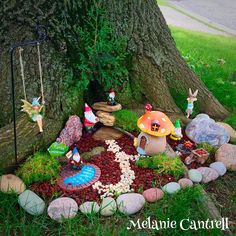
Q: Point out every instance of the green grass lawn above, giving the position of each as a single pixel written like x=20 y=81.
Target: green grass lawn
x=206 y=54
x=182 y=205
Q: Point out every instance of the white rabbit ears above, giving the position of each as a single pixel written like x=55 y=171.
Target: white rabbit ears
x=191 y=94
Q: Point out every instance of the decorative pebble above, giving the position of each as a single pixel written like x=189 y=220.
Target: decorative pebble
x=219 y=167
x=11 y=183
x=130 y=203
x=171 y=187
x=63 y=207
x=108 y=206
x=153 y=194
x=89 y=207
x=184 y=182
x=31 y=202
x=227 y=154
x=208 y=174
x=195 y=175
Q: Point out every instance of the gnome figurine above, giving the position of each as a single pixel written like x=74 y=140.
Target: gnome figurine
x=177 y=132
x=89 y=118
x=75 y=160
x=111 y=98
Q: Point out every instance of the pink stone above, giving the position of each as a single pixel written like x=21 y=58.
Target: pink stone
x=153 y=194
x=208 y=174
x=184 y=182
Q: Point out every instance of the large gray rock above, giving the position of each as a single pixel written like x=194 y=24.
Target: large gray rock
x=11 y=183
x=108 y=206
x=227 y=154
x=204 y=129
x=130 y=203
x=63 y=207
x=31 y=202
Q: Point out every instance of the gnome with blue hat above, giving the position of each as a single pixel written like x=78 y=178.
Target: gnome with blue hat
x=76 y=160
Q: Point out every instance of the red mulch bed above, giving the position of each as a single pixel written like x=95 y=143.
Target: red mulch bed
x=110 y=170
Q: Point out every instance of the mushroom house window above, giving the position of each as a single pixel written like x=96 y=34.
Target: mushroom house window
x=155 y=125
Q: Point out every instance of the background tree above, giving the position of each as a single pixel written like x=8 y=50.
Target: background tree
x=157 y=72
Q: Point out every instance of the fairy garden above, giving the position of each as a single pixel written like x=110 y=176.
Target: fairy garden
x=111 y=136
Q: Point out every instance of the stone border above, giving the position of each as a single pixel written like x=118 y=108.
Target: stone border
x=69 y=172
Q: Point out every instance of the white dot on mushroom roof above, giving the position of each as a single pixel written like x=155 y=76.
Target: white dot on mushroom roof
x=142 y=125
x=163 y=119
x=149 y=118
x=163 y=130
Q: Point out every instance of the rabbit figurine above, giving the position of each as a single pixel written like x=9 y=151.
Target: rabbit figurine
x=192 y=97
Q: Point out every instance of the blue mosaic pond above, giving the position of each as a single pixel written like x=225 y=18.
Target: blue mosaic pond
x=86 y=175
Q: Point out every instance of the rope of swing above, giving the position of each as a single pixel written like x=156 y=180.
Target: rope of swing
x=40 y=72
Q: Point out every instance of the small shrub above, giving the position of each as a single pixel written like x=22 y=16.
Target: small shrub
x=39 y=168
x=208 y=147
x=163 y=165
x=126 y=120
x=231 y=120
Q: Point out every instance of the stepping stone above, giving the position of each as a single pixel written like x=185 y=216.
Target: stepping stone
x=89 y=208
x=63 y=207
x=11 y=183
x=107 y=133
x=31 y=203
x=130 y=203
x=103 y=106
x=106 y=118
x=108 y=206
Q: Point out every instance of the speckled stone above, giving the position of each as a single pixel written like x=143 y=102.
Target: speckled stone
x=108 y=206
x=89 y=207
x=219 y=167
x=171 y=187
x=11 y=183
x=63 y=207
x=184 y=182
x=31 y=203
x=195 y=175
x=208 y=174
x=153 y=194
x=130 y=203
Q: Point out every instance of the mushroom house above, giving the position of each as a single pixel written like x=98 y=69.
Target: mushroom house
x=154 y=126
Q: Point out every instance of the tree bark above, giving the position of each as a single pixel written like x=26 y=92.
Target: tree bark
x=157 y=76
x=158 y=67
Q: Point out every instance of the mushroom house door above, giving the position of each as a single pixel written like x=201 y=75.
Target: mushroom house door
x=143 y=142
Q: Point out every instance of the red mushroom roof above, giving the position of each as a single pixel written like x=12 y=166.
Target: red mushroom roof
x=145 y=123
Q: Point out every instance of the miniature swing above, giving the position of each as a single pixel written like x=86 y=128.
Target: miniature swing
x=35 y=110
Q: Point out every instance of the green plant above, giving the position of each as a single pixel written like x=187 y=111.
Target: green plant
x=208 y=147
x=163 y=164
x=231 y=120
x=38 y=168
x=126 y=120
x=103 y=55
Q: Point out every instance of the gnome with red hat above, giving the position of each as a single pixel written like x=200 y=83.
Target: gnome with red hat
x=111 y=98
x=89 y=118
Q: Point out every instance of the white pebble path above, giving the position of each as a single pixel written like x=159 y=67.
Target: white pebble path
x=127 y=177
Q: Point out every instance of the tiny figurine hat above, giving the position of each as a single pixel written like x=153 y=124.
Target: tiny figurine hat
x=148 y=107
x=111 y=90
x=177 y=123
x=35 y=102
x=75 y=150
x=87 y=108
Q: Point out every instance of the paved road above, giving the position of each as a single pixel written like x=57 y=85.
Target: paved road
x=176 y=18
x=220 y=11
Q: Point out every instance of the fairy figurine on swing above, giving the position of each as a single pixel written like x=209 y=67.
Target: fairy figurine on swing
x=35 y=110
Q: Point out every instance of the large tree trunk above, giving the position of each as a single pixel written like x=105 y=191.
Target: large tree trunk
x=158 y=74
